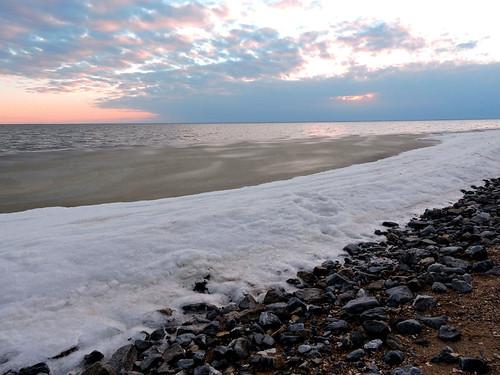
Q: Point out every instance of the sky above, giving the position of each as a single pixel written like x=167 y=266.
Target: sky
x=244 y=61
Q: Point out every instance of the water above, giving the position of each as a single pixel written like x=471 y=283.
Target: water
x=28 y=138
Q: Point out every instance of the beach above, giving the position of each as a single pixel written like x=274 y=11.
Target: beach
x=94 y=276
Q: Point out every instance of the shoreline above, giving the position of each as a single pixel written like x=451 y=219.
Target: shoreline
x=378 y=311
x=81 y=178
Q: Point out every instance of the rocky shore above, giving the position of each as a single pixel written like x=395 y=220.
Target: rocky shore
x=423 y=300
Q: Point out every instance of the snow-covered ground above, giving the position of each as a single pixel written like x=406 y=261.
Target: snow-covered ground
x=92 y=276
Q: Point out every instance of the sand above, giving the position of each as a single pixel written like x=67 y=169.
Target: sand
x=75 y=178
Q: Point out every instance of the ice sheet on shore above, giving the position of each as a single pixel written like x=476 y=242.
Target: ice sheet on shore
x=90 y=276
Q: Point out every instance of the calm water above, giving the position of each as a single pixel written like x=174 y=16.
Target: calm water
x=25 y=138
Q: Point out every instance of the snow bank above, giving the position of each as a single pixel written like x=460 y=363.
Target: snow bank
x=91 y=276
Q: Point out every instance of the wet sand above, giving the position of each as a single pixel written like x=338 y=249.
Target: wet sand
x=75 y=178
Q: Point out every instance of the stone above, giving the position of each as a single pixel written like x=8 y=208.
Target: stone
x=423 y=303
x=241 y=347
x=185 y=339
x=482 y=266
x=150 y=361
x=355 y=355
x=448 y=333
x=268 y=319
x=337 y=326
x=439 y=287
x=454 y=262
x=446 y=355
x=434 y=321
x=475 y=365
x=399 y=295
x=450 y=250
x=352 y=249
x=377 y=313
x=390 y=224
x=97 y=368
x=123 y=359
x=247 y=302
x=206 y=370
x=185 y=363
x=394 y=357
x=173 y=353
x=92 y=357
x=39 y=368
x=461 y=286
x=376 y=328
x=373 y=345
x=303 y=349
x=407 y=370
x=275 y=295
x=409 y=327
x=358 y=305
x=310 y=295
x=477 y=252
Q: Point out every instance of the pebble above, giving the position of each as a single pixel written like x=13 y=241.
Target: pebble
x=448 y=333
x=394 y=357
x=409 y=327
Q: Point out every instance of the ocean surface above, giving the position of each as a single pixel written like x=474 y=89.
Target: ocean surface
x=26 y=138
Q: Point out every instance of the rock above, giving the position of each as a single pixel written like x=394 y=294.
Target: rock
x=198 y=307
x=399 y=295
x=394 y=357
x=448 y=333
x=450 y=250
x=377 y=313
x=247 y=302
x=123 y=359
x=92 y=357
x=337 y=326
x=173 y=353
x=407 y=370
x=390 y=224
x=303 y=349
x=483 y=266
x=423 y=303
x=373 y=345
x=461 y=286
x=98 y=368
x=310 y=295
x=454 y=262
x=355 y=355
x=275 y=295
x=150 y=361
x=206 y=370
x=446 y=355
x=409 y=327
x=358 y=305
x=268 y=319
x=438 y=287
x=475 y=365
x=39 y=368
x=434 y=321
x=477 y=252
x=142 y=345
x=241 y=347
x=352 y=249
x=308 y=278
x=185 y=339
x=185 y=363
x=200 y=286
x=337 y=280
x=376 y=328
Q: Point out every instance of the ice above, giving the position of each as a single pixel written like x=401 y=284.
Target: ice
x=94 y=276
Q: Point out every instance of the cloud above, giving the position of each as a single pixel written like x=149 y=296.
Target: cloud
x=467 y=45
x=378 y=36
x=355 y=98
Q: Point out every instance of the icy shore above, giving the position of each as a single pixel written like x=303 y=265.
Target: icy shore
x=93 y=275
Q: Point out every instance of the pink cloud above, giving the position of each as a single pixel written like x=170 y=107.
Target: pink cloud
x=356 y=98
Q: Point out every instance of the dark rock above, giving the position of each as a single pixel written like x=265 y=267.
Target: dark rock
x=157 y=334
x=358 y=305
x=200 y=286
x=295 y=303
x=185 y=363
x=39 y=368
x=198 y=307
x=454 y=262
x=461 y=286
x=483 y=266
x=390 y=224
x=92 y=357
x=206 y=370
x=173 y=353
x=377 y=313
x=142 y=345
x=337 y=326
x=275 y=295
x=98 y=368
x=475 y=365
x=123 y=359
x=447 y=355
x=150 y=361
x=352 y=249
x=434 y=321
x=409 y=327
x=268 y=319
x=310 y=295
x=373 y=345
x=477 y=252
x=241 y=347
x=376 y=328
x=185 y=339
x=423 y=303
x=337 y=280
x=247 y=302
x=448 y=333
x=307 y=277
x=355 y=355
x=438 y=287
x=399 y=295
x=394 y=357
x=407 y=370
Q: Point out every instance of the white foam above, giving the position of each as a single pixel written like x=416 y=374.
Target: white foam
x=91 y=276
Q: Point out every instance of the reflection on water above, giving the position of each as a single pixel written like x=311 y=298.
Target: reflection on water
x=22 y=138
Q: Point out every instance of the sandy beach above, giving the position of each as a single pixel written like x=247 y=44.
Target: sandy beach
x=76 y=178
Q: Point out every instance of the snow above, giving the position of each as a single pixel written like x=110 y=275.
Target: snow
x=93 y=276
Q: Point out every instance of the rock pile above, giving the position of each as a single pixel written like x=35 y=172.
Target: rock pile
x=364 y=315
